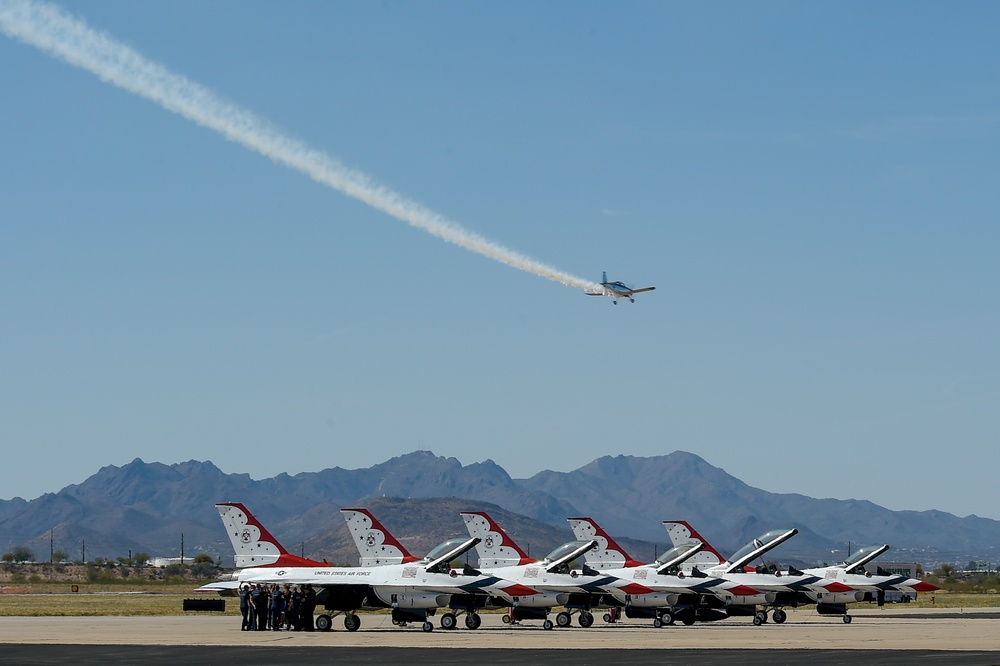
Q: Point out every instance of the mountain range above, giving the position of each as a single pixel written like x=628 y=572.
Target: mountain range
x=146 y=507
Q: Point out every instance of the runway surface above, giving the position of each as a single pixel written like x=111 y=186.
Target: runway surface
x=966 y=637
x=39 y=655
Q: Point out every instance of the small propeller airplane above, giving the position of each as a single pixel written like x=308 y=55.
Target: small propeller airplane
x=616 y=290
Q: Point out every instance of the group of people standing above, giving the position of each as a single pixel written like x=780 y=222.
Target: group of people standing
x=268 y=607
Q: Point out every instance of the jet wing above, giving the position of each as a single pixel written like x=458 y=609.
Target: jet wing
x=223 y=587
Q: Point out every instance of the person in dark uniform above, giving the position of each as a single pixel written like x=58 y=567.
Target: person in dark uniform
x=309 y=609
x=286 y=593
x=277 y=604
x=295 y=609
x=267 y=609
x=245 y=606
x=259 y=600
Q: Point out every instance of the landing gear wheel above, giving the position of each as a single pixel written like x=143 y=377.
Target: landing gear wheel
x=324 y=623
x=448 y=621
x=688 y=620
x=506 y=618
x=667 y=619
x=352 y=622
x=779 y=616
x=632 y=299
x=472 y=620
x=607 y=618
x=759 y=618
x=547 y=625
x=563 y=619
x=847 y=619
x=586 y=619
x=657 y=623
x=615 y=302
x=427 y=627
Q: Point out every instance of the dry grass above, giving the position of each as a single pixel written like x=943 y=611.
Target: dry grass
x=54 y=599
x=945 y=599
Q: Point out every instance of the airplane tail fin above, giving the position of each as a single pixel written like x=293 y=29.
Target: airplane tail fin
x=254 y=545
x=680 y=533
x=375 y=544
x=608 y=554
x=496 y=548
x=604 y=277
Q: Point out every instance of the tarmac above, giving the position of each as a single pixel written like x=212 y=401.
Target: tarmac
x=890 y=636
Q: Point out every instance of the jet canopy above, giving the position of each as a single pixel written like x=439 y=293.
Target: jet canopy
x=440 y=558
x=445 y=547
x=675 y=556
x=566 y=549
x=864 y=555
x=761 y=545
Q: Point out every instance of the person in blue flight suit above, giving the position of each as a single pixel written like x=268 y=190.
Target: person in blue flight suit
x=245 y=606
x=259 y=599
x=277 y=607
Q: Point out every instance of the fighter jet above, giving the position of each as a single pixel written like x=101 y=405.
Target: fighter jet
x=616 y=290
x=377 y=547
x=579 y=590
x=790 y=587
x=684 y=598
x=414 y=590
x=852 y=572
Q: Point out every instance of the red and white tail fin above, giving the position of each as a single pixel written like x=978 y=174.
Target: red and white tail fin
x=254 y=545
x=608 y=554
x=495 y=549
x=375 y=544
x=680 y=533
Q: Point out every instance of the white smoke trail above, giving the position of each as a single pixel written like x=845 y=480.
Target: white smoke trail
x=53 y=30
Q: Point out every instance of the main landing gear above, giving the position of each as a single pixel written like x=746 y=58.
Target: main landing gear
x=585 y=619
x=352 y=622
x=450 y=621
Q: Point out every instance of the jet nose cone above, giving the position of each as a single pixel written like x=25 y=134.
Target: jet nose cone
x=924 y=586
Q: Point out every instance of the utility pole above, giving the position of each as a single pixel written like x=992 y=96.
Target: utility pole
x=51 y=548
x=83 y=550
x=182 y=548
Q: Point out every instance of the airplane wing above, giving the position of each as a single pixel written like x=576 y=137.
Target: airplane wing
x=637 y=291
x=223 y=587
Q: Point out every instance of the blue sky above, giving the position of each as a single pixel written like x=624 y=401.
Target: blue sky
x=812 y=188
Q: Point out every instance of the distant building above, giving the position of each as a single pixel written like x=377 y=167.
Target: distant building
x=898 y=568
x=161 y=562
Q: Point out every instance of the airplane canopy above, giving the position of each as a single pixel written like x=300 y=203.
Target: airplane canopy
x=566 y=549
x=759 y=543
x=863 y=555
